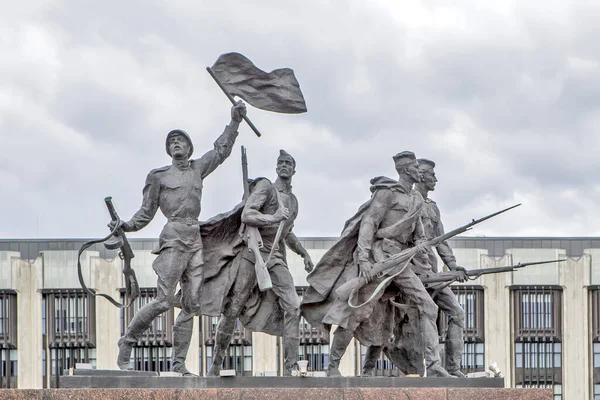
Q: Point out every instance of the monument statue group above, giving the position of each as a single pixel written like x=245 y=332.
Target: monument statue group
x=379 y=283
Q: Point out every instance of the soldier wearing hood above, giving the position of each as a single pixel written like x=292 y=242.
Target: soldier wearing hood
x=177 y=190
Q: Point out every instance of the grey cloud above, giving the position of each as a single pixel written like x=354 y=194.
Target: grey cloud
x=506 y=105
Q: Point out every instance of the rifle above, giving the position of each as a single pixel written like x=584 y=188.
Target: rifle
x=115 y=240
x=385 y=267
x=119 y=241
x=442 y=280
x=253 y=238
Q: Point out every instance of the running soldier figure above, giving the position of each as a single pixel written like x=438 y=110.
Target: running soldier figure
x=177 y=190
x=387 y=224
x=267 y=205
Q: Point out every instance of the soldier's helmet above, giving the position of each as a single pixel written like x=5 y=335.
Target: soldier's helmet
x=185 y=135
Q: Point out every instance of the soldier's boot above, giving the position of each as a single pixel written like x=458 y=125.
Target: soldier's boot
x=454 y=350
x=225 y=329
x=290 y=355
x=140 y=322
x=432 y=356
x=291 y=340
x=373 y=353
x=341 y=339
x=182 y=337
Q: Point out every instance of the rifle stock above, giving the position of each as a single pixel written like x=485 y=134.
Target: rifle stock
x=253 y=238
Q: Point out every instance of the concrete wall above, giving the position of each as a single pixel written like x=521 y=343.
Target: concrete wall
x=56 y=269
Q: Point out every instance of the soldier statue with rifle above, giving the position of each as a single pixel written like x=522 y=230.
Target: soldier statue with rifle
x=267 y=218
x=445 y=299
x=177 y=190
x=373 y=262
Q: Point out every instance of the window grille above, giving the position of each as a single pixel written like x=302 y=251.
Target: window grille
x=538 y=337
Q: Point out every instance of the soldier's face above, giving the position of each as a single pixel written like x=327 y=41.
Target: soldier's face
x=285 y=167
x=429 y=179
x=179 y=146
x=412 y=170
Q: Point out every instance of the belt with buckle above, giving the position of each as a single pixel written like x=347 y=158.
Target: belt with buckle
x=187 y=221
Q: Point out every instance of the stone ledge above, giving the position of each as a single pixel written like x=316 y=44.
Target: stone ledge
x=280 y=393
x=273 y=382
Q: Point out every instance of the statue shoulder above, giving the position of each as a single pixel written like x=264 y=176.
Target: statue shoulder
x=155 y=174
x=157 y=171
x=261 y=183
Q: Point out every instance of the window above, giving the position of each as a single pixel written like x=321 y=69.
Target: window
x=8 y=319
x=239 y=354
x=471 y=300
x=383 y=366
x=538 y=337
x=69 y=318
x=69 y=331
x=8 y=368
x=595 y=337
x=153 y=350
x=314 y=344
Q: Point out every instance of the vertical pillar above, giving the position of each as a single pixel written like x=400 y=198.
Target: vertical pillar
x=574 y=276
x=264 y=353
x=28 y=282
x=106 y=277
x=498 y=317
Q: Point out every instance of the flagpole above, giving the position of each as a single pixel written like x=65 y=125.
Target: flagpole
x=230 y=97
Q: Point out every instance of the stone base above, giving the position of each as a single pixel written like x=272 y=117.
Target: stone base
x=99 y=381
x=289 y=393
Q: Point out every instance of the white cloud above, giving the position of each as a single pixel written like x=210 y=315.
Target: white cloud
x=504 y=98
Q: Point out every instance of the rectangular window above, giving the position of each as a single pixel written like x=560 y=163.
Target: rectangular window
x=153 y=350
x=471 y=300
x=538 y=337
x=314 y=343
x=594 y=292
x=383 y=366
x=8 y=319
x=69 y=332
x=239 y=354
x=8 y=369
x=70 y=318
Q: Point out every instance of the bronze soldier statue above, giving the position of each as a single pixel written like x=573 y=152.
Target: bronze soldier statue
x=445 y=299
x=177 y=190
x=386 y=225
x=267 y=206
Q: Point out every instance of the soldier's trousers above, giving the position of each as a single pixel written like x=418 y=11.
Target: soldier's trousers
x=172 y=267
x=447 y=302
x=244 y=284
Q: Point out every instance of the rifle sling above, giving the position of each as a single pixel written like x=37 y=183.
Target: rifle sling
x=80 y=272
x=382 y=285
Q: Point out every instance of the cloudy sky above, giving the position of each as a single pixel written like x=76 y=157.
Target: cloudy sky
x=503 y=95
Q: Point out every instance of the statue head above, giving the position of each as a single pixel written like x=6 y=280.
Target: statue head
x=407 y=166
x=179 y=144
x=426 y=167
x=286 y=165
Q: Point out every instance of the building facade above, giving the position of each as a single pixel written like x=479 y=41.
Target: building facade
x=541 y=324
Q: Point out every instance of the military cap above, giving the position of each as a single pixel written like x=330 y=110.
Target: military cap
x=403 y=158
x=425 y=164
x=283 y=153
